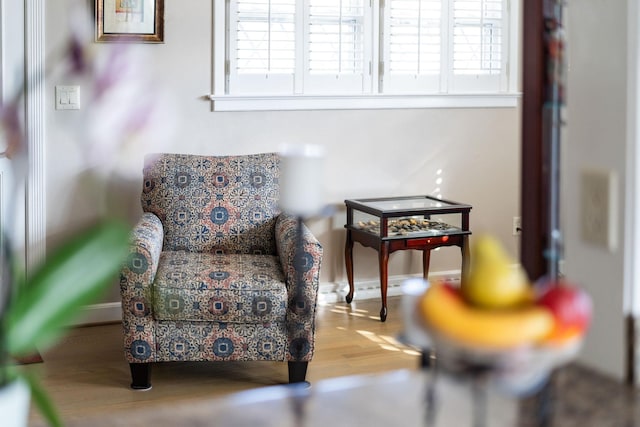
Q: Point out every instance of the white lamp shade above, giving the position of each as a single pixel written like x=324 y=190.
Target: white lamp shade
x=301 y=179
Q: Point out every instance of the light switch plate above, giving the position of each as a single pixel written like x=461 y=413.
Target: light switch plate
x=599 y=218
x=67 y=97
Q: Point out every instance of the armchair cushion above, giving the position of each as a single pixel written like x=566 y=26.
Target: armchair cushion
x=225 y=288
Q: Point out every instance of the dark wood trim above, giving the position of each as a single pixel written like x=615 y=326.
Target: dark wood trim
x=534 y=186
x=535 y=165
x=631 y=349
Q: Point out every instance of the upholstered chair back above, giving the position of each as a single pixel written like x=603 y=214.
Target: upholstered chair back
x=217 y=204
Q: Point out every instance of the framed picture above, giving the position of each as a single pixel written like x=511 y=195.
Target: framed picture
x=130 y=21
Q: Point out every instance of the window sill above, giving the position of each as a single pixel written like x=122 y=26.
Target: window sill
x=361 y=102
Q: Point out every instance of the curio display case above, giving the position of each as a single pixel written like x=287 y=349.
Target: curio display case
x=407 y=217
x=392 y=224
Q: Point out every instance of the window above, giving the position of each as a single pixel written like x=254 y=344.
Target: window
x=338 y=44
x=262 y=46
x=365 y=52
x=289 y=47
x=412 y=46
x=478 y=45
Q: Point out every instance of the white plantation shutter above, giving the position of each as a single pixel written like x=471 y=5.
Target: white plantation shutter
x=262 y=46
x=337 y=46
x=412 y=46
x=328 y=47
x=478 y=62
x=444 y=46
x=336 y=37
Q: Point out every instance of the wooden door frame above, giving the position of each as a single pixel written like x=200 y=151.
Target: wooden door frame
x=534 y=182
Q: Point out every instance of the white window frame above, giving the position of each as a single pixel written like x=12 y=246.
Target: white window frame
x=221 y=101
x=406 y=83
x=339 y=84
x=492 y=83
x=256 y=84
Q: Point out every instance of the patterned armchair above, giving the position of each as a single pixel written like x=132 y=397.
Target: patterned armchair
x=211 y=273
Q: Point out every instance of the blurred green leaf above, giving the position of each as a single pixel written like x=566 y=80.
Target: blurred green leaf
x=43 y=402
x=72 y=276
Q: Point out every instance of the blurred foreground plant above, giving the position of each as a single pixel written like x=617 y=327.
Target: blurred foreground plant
x=36 y=308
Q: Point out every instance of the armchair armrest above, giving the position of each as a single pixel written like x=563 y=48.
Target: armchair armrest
x=144 y=252
x=136 y=278
x=286 y=234
x=302 y=286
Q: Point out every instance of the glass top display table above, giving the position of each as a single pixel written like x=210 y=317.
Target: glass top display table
x=400 y=223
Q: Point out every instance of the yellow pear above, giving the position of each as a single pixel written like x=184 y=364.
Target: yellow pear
x=493 y=280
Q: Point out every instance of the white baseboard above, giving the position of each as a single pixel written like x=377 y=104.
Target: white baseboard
x=333 y=292
x=329 y=293
x=108 y=312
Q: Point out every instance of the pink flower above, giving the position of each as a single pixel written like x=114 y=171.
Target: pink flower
x=127 y=115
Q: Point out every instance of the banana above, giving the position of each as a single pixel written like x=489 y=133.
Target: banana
x=493 y=282
x=448 y=315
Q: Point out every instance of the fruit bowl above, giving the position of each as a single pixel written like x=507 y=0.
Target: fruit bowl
x=496 y=323
x=514 y=349
x=517 y=371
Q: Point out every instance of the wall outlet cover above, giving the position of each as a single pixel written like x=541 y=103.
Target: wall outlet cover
x=599 y=208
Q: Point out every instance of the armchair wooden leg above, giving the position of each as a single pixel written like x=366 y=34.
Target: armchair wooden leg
x=140 y=376
x=297 y=372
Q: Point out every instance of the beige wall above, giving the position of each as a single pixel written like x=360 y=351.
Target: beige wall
x=369 y=153
x=597 y=117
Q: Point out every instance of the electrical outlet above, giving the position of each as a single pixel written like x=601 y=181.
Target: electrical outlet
x=598 y=200
x=517 y=225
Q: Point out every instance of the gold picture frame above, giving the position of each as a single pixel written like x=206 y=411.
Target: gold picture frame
x=139 y=21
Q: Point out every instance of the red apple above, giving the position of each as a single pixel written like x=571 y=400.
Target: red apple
x=571 y=307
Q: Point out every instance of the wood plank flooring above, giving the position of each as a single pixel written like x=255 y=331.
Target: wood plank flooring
x=86 y=374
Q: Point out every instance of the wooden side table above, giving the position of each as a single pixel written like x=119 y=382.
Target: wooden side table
x=401 y=223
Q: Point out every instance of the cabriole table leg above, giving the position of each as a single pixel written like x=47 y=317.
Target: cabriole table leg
x=348 y=262
x=383 y=259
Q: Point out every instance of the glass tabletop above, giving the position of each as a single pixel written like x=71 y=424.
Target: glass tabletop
x=405 y=204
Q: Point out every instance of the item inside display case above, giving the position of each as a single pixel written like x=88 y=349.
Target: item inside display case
x=407 y=226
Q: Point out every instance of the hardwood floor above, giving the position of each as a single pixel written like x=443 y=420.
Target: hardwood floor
x=86 y=374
